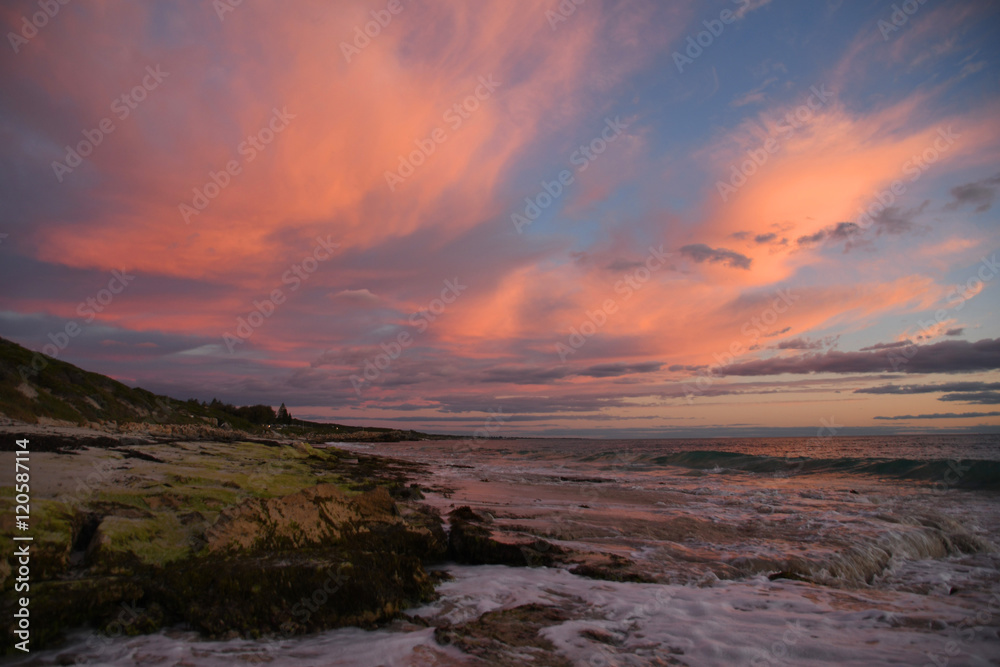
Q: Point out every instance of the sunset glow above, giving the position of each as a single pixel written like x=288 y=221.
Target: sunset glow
x=425 y=215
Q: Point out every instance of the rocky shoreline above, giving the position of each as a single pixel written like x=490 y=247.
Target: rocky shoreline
x=229 y=537
x=140 y=529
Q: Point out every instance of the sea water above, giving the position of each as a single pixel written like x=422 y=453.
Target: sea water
x=760 y=551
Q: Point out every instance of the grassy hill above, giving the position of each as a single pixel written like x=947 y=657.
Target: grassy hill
x=34 y=386
x=58 y=390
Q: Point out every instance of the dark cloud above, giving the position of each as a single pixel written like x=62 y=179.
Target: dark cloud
x=842 y=231
x=943 y=357
x=980 y=194
x=958 y=331
x=535 y=375
x=769 y=239
x=804 y=344
x=887 y=346
x=943 y=415
x=763 y=239
x=980 y=397
x=699 y=252
x=411 y=407
x=621 y=264
x=616 y=369
x=687 y=367
x=895 y=220
x=524 y=374
x=505 y=418
x=799 y=344
x=929 y=388
x=532 y=405
x=892 y=220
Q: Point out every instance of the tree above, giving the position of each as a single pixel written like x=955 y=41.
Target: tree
x=283 y=416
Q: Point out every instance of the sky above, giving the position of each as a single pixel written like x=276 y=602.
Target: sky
x=580 y=218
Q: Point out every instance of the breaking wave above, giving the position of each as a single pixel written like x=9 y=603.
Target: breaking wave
x=948 y=473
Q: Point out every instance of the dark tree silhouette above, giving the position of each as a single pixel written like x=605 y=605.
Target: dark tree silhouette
x=283 y=416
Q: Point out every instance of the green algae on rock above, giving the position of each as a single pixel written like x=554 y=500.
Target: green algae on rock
x=229 y=538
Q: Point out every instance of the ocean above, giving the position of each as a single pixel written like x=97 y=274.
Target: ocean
x=756 y=551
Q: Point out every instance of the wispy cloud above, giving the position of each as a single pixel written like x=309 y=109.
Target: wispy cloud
x=980 y=194
x=942 y=415
x=699 y=252
x=944 y=357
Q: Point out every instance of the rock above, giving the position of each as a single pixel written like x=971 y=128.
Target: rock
x=320 y=558
x=469 y=541
x=465 y=514
x=313 y=517
x=611 y=568
x=505 y=637
x=361 y=583
x=309 y=561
